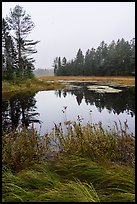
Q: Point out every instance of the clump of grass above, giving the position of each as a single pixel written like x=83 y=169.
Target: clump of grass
x=112 y=182
x=70 y=179
x=33 y=185
x=11 y=191
x=71 y=191
x=94 y=142
x=21 y=148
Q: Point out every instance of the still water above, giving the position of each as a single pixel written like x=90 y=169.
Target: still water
x=45 y=108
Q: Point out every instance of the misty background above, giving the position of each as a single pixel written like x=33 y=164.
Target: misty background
x=64 y=27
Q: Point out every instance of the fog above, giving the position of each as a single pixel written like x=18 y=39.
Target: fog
x=64 y=27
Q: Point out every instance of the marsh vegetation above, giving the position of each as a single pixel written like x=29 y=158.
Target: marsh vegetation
x=86 y=163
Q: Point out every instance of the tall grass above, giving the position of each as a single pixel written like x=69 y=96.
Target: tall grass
x=35 y=186
x=21 y=149
x=91 y=165
x=72 y=179
x=112 y=182
x=94 y=142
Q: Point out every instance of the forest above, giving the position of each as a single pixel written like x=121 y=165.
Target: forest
x=116 y=58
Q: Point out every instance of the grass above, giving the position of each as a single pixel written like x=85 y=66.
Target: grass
x=53 y=82
x=30 y=84
x=82 y=181
x=125 y=80
x=91 y=165
x=111 y=179
x=33 y=185
x=93 y=141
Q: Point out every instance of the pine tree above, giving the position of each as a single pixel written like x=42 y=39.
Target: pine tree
x=22 y=25
x=79 y=63
x=55 y=65
x=64 y=61
x=132 y=56
x=59 y=62
x=9 y=54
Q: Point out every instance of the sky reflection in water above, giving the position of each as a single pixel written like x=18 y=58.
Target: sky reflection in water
x=47 y=107
x=50 y=105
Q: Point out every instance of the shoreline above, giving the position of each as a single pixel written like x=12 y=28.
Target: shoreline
x=52 y=83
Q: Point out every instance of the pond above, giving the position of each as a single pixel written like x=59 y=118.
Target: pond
x=76 y=102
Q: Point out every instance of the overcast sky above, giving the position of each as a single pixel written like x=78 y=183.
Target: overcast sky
x=64 y=27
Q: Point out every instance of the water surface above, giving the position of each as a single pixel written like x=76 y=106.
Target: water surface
x=45 y=108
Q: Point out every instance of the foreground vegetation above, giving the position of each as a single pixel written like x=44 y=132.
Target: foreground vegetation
x=72 y=163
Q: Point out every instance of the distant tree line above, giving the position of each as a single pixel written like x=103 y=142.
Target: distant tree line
x=117 y=58
x=16 y=48
x=43 y=72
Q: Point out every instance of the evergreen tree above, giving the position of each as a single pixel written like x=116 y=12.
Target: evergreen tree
x=90 y=62
x=21 y=24
x=113 y=59
x=9 y=54
x=5 y=47
x=87 y=63
x=55 y=65
x=59 y=62
x=132 y=57
x=64 y=61
x=79 y=63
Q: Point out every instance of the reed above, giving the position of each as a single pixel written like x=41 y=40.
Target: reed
x=95 y=142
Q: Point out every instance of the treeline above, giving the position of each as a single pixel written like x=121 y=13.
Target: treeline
x=117 y=58
x=43 y=72
x=17 y=64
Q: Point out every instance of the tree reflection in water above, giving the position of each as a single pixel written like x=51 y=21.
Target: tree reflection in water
x=19 y=109
x=113 y=102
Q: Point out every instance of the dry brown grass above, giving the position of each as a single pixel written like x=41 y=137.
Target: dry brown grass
x=125 y=80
